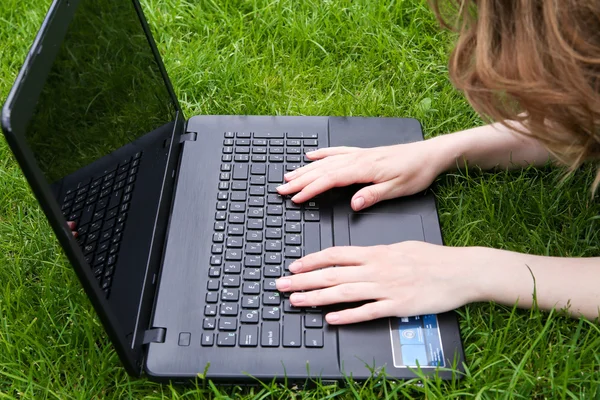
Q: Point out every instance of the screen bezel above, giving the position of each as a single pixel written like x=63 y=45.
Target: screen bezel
x=16 y=114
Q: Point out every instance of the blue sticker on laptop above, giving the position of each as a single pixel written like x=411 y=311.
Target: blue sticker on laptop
x=416 y=342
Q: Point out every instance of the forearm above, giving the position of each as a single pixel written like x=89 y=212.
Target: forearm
x=489 y=147
x=559 y=282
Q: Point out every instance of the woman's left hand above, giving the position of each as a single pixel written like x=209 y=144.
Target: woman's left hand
x=403 y=279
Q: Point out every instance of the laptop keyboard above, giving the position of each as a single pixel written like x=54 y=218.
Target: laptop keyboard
x=99 y=207
x=257 y=235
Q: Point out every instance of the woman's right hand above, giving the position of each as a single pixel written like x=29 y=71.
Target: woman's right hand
x=393 y=171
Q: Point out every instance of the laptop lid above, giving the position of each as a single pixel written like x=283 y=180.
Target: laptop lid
x=92 y=83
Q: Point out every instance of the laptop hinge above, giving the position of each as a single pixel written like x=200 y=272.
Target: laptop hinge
x=155 y=335
x=188 y=136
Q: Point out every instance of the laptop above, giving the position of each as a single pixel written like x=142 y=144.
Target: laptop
x=180 y=231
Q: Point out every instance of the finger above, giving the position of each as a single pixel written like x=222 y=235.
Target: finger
x=322 y=164
x=345 y=293
x=370 y=195
x=322 y=183
x=366 y=312
x=71 y=225
x=322 y=278
x=299 y=183
x=338 y=255
x=330 y=151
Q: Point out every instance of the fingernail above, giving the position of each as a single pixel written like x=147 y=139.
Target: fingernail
x=283 y=283
x=297 y=298
x=282 y=187
x=295 y=198
x=290 y=174
x=332 y=317
x=358 y=203
x=295 y=266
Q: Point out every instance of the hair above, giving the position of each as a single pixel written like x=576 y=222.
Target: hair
x=532 y=61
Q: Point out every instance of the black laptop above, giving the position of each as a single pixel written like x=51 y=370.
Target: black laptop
x=180 y=231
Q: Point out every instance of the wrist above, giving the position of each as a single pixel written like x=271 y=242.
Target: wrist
x=500 y=276
x=446 y=152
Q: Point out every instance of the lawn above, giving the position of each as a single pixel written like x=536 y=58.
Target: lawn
x=311 y=57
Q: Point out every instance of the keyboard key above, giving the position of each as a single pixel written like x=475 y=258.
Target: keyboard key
x=232 y=255
x=293 y=252
x=238 y=196
x=210 y=310
x=235 y=242
x=241 y=158
x=312 y=238
x=272 y=271
x=235 y=230
x=237 y=207
x=274 y=221
x=293 y=227
x=313 y=338
x=251 y=288
x=230 y=309
x=258 y=169
x=268 y=135
x=273 y=245
x=256 y=202
x=291 y=239
x=251 y=274
x=208 y=339
x=257 y=179
x=209 y=323
x=248 y=336
x=240 y=172
x=226 y=339
x=257 y=190
x=273 y=233
x=251 y=302
x=271 y=313
x=227 y=324
x=311 y=215
x=292 y=331
x=274 y=210
x=249 y=317
x=213 y=284
x=269 y=285
x=273 y=258
x=271 y=299
x=275 y=174
x=232 y=268
x=310 y=143
x=212 y=297
x=313 y=321
x=254 y=236
x=269 y=334
x=289 y=308
x=253 y=261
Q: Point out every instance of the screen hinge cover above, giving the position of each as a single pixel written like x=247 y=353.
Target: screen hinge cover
x=188 y=136
x=155 y=335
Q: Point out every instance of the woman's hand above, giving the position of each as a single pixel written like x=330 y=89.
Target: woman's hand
x=394 y=171
x=403 y=279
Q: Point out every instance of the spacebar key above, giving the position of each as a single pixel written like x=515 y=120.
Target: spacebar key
x=312 y=237
x=292 y=331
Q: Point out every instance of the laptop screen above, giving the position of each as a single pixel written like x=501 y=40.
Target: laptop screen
x=104 y=90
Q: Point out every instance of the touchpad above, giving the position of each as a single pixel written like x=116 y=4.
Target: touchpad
x=368 y=229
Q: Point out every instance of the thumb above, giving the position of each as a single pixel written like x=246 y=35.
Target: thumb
x=373 y=194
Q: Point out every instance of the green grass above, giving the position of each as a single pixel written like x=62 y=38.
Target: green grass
x=313 y=57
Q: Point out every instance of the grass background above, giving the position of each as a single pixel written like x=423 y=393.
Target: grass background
x=311 y=57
